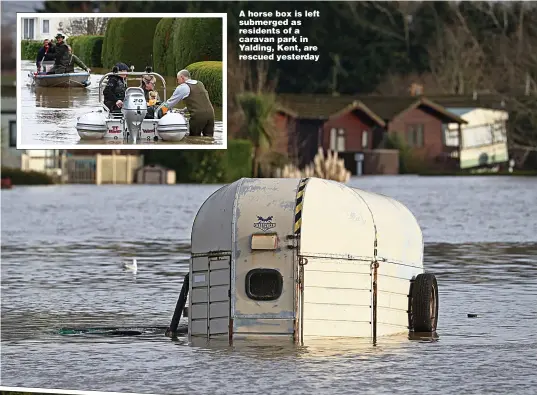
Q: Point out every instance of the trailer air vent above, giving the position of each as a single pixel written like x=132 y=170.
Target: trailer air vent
x=264 y=284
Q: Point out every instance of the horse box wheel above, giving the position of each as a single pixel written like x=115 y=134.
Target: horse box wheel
x=424 y=303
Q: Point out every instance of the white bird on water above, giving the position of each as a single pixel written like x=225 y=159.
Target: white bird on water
x=132 y=266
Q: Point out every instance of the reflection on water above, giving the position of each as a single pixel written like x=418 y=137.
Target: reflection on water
x=62 y=254
x=49 y=114
x=485 y=263
x=60 y=98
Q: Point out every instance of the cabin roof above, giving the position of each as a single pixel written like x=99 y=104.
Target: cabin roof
x=379 y=108
x=308 y=106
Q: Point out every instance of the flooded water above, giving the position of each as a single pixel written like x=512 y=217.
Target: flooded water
x=49 y=114
x=63 y=246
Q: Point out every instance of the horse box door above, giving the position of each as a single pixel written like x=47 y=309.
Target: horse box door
x=210 y=296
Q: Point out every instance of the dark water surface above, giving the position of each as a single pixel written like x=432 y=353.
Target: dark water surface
x=62 y=249
x=49 y=114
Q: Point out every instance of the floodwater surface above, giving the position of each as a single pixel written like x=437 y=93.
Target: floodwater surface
x=49 y=114
x=62 y=254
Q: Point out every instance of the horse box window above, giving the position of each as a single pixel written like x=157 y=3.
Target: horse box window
x=264 y=284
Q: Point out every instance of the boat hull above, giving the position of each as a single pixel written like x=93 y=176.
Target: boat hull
x=69 y=80
x=95 y=125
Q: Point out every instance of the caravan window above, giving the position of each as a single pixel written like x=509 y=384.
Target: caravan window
x=264 y=284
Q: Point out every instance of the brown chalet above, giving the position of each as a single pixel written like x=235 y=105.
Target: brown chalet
x=353 y=125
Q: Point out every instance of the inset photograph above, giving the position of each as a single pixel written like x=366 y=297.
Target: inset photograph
x=136 y=80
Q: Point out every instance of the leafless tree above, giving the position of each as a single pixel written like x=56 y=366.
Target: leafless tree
x=457 y=61
x=86 y=26
x=501 y=62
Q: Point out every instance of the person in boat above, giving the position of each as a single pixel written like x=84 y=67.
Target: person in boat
x=45 y=53
x=197 y=101
x=61 y=56
x=148 y=83
x=152 y=98
x=75 y=60
x=114 y=92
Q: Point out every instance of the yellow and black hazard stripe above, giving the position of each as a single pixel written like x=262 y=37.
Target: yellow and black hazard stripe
x=299 y=204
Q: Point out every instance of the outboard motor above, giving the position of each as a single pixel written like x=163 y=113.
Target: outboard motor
x=134 y=111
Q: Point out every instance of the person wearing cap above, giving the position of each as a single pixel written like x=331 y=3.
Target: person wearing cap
x=114 y=92
x=61 y=56
x=75 y=60
x=197 y=101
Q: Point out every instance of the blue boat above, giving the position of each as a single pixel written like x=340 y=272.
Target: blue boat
x=79 y=79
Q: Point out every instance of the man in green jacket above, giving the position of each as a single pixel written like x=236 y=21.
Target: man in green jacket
x=74 y=60
x=197 y=101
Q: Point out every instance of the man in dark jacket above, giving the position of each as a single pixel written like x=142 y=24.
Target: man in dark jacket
x=61 y=56
x=114 y=92
x=45 y=53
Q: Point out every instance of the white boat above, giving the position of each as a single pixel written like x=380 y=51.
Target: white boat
x=305 y=258
x=131 y=123
x=79 y=79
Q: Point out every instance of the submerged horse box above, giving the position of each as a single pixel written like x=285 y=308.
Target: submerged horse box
x=306 y=257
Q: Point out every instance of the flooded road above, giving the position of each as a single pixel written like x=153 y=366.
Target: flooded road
x=63 y=246
x=49 y=114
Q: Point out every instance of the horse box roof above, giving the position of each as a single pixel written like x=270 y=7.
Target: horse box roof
x=336 y=221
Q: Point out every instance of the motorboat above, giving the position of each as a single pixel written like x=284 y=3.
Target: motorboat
x=79 y=79
x=132 y=123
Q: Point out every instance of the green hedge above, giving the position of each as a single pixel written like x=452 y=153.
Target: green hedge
x=20 y=177
x=29 y=49
x=88 y=49
x=206 y=166
x=129 y=40
x=409 y=163
x=238 y=159
x=71 y=40
x=197 y=40
x=162 y=43
x=111 y=42
x=210 y=73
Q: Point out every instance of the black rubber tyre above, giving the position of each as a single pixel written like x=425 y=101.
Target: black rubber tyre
x=424 y=303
